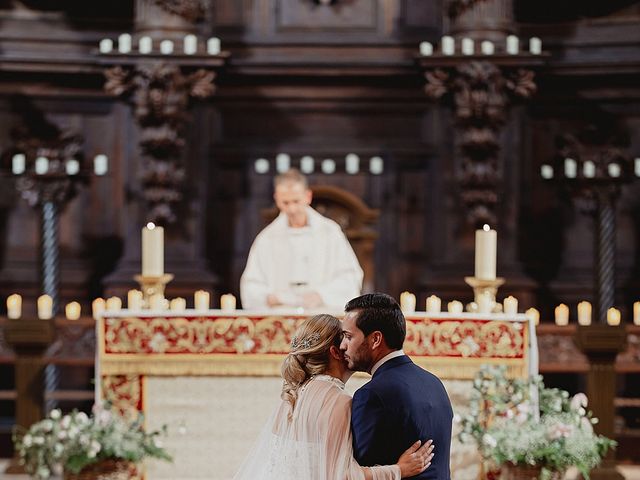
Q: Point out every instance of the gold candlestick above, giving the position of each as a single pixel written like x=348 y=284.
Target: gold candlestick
x=484 y=294
x=152 y=285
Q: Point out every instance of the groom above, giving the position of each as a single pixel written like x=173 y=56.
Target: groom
x=402 y=402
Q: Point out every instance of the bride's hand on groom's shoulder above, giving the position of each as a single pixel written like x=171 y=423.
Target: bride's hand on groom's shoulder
x=416 y=459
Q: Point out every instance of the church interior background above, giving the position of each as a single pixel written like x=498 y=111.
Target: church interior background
x=530 y=124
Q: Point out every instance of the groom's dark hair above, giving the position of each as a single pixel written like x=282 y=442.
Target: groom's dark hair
x=380 y=312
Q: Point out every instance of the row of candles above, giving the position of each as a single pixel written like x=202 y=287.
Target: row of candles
x=588 y=169
x=468 y=46
x=145 y=45
x=42 y=165
x=434 y=304
x=327 y=166
x=135 y=302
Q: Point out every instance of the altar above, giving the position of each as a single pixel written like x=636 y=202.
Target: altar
x=214 y=376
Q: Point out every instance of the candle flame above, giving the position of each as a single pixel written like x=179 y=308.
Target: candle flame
x=151 y=225
x=486 y=227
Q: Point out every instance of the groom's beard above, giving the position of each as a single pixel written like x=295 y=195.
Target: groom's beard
x=361 y=360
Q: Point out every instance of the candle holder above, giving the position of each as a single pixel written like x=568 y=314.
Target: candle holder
x=484 y=291
x=152 y=285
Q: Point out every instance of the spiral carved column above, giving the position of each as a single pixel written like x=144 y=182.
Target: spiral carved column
x=50 y=257
x=605 y=258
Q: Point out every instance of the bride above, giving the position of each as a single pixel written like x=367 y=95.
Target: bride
x=309 y=435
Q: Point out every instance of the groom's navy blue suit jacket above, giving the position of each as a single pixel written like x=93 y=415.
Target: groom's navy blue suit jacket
x=401 y=404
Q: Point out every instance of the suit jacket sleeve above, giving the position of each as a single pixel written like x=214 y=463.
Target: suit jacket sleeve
x=367 y=425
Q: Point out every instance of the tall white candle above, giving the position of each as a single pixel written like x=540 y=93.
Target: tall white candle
x=570 y=168
x=106 y=45
x=166 y=47
x=152 y=250
x=352 y=163
x=213 y=46
x=124 y=43
x=535 y=46
x=589 y=169
x=426 y=49
x=18 y=163
x=190 y=44
x=42 y=165
x=512 y=45
x=487 y=47
x=145 y=45
x=306 y=164
x=468 y=47
x=100 y=164
x=434 y=304
x=584 y=313
x=45 y=307
x=14 y=306
x=448 y=45
x=376 y=165
x=407 y=302
x=486 y=253
x=283 y=162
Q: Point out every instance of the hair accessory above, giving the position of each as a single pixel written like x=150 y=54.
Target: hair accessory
x=304 y=343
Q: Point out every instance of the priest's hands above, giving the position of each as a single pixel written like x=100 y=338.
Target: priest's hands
x=312 y=300
x=289 y=299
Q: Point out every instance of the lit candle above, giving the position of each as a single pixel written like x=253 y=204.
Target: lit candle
x=426 y=49
x=134 y=300
x=570 y=168
x=328 y=166
x=589 y=169
x=407 y=302
x=535 y=46
x=467 y=46
x=100 y=164
x=562 y=315
x=534 y=315
x=178 y=304
x=106 y=45
x=546 y=172
x=166 y=47
x=614 y=170
x=227 y=302
x=14 y=306
x=613 y=317
x=306 y=164
x=18 y=163
x=98 y=306
x=448 y=45
x=486 y=252
x=510 y=305
x=72 y=311
x=454 y=307
x=584 y=313
x=42 y=165
x=352 y=163
x=190 y=44
x=487 y=47
x=636 y=313
x=145 y=45
x=201 y=300
x=434 y=304
x=113 y=304
x=213 y=46
x=72 y=166
x=512 y=45
x=152 y=251
x=45 y=307
x=283 y=162
x=124 y=43
x=156 y=302
x=376 y=165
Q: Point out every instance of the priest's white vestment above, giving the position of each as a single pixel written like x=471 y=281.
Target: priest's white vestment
x=331 y=267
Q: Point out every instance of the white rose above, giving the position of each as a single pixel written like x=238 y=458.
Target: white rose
x=62 y=434
x=65 y=422
x=27 y=441
x=489 y=441
x=579 y=400
x=55 y=414
x=95 y=446
x=38 y=441
x=82 y=417
x=47 y=425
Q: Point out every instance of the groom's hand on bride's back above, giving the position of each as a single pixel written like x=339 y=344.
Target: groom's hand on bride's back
x=416 y=459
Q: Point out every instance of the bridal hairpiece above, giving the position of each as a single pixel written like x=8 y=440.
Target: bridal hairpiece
x=306 y=342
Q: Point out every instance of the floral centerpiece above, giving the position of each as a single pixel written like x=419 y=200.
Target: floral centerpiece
x=75 y=443
x=520 y=423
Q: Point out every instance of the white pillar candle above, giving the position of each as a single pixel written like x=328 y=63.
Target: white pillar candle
x=535 y=46
x=546 y=172
x=306 y=164
x=434 y=304
x=486 y=253
x=468 y=47
x=178 y=304
x=98 y=306
x=352 y=163
x=106 y=45
x=636 y=313
x=152 y=250
x=18 y=163
x=72 y=166
x=213 y=46
x=589 y=169
x=614 y=170
x=426 y=49
x=261 y=166
x=613 y=317
x=145 y=45
x=328 y=166
x=376 y=165
x=512 y=45
x=584 y=313
x=100 y=164
x=487 y=47
x=166 y=47
x=42 y=165
x=113 y=304
x=45 y=307
x=134 y=300
x=227 y=302
x=72 y=311
x=407 y=302
x=14 y=306
x=570 y=168
x=448 y=45
x=156 y=302
x=534 y=315
x=124 y=43
x=283 y=162
x=636 y=167
x=510 y=305
x=562 y=315
x=454 y=307
x=190 y=44
x=201 y=300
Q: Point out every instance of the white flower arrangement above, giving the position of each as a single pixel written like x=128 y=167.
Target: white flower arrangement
x=71 y=442
x=509 y=429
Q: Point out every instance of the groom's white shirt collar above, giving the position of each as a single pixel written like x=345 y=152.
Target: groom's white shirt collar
x=394 y=354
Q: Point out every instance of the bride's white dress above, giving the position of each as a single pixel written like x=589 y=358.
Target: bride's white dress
x=315 y=444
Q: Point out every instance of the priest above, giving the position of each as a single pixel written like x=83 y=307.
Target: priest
x=301 y=259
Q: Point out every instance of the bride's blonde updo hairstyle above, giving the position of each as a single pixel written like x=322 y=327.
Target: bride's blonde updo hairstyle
x=309 y=353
